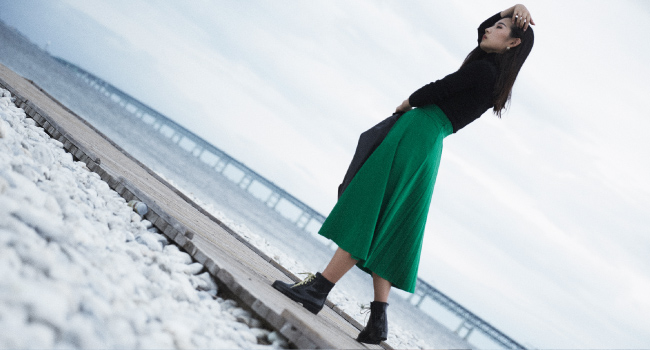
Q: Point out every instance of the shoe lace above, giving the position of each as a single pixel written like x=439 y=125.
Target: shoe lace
x=364 y=309
x=310 y=277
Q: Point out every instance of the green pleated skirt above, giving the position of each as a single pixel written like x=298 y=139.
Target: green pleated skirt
x=380 y=217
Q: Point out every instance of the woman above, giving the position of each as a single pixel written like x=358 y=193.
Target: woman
x=378 y=221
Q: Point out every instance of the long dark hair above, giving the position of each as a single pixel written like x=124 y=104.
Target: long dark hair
x=509 y=63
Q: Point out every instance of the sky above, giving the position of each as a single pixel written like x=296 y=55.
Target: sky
x=539 y=221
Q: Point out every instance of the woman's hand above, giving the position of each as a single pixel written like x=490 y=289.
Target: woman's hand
x=520 y=16
x=404 y=107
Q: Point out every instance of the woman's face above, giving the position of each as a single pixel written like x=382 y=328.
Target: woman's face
x=497 y=38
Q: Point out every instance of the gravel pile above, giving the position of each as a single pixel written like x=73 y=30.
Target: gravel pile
x=79 y=268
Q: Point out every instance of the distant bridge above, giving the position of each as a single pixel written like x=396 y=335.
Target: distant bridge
x=208 y=154
x=470 y=321
x=247 y=178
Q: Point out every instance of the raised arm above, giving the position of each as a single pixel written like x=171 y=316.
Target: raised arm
x=519 y=15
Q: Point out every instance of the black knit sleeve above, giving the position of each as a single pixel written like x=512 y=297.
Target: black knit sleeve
x=478 y=72
x=487 y=24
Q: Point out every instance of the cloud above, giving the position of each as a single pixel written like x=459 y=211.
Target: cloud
x=538 y=219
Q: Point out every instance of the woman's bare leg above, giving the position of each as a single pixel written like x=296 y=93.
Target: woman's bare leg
x=340 y=264
x=382 y=288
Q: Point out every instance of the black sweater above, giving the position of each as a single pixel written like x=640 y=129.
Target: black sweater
x=466 y=94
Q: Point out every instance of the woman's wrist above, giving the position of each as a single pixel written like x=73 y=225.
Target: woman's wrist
x=520 y=16
x=508 y=12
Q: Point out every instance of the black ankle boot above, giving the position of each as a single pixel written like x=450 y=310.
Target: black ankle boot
x=377 y=328
x=311 y=292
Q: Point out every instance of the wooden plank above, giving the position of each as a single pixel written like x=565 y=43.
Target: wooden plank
x=236 y=264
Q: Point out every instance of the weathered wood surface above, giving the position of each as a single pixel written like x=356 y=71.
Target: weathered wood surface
x=245 y=271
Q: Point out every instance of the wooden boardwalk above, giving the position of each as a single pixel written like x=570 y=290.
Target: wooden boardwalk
x=242 y=269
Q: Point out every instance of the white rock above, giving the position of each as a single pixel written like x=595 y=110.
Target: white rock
x=154 y=275
x=39 y=336
x=277 y=340
x=183 y=292
x=191 y=269
x=53 y=142
x=147 y=224
x=121 y=333
x=241 y=315
x=4 y=185
x=72 y=273
x=52 y=206
x=95 y=307
x=135 y=217
x=128 y=236
x=181 y=331
x=80 y=331
x=204 y=282
x=13 y=320
x=150 y=240
x=157 y=340
x=4 y=129
x=138 y=320
x=255 y=323
x=50 y=308
x=8 y=206
x=176 y=255
x=260 y=334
